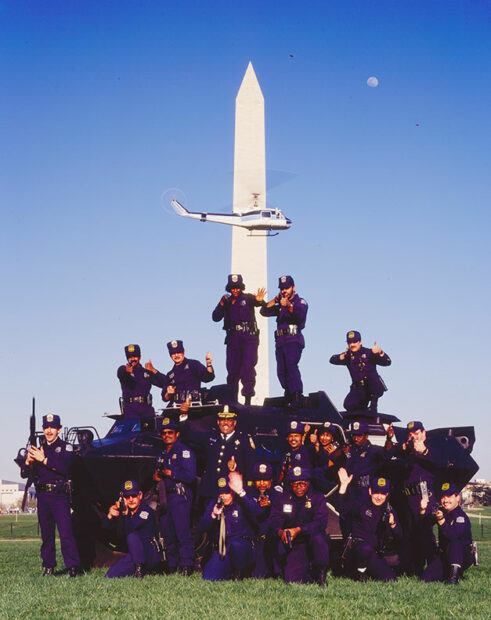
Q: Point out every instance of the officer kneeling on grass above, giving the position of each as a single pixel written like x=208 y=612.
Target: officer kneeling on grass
x=455 y=553
x=299 y=520
x=371 y=520
x=140 y=530
x=228 y=521
x=51 y=463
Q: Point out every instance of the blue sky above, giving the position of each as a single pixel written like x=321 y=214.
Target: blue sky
x=106 y=105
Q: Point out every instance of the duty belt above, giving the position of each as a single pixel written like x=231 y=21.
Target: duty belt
x=139 y=399
x=291 y=330
x=53 y=487
x=360 y=383
x=245 y=328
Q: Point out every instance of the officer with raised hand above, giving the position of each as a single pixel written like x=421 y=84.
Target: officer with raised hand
x=239 y=321
x=136 y=383
x=176 y=467
x=290 y=311
x=372 y=519
x=298 y=520
x=454 y=537
x=328 y=457
x=185 y=378
x=367 y=385
x=419 y=464
x=229 y=523
x=140 y=531
x=52 y=462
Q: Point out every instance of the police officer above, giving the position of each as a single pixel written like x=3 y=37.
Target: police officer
x=226 y=450
x=367 y=386
x=419 y=466
x=52 y=462
x=372 y=519
x=242 y=339
x=298 y=454
x=136 y=383
x=263 y=494
x=290 y=311
x=328 y=457
x=298 y=519
x=454 y=537
x=185 y=378
x=140 y=530
x=363 y=460
x=228 y=523
x=176 y=468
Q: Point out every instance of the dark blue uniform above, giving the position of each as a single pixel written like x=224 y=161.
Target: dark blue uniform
x=367 y=384
x=51 y=483
x=175 y=524
x=219 y=449
x=417 y=470
x=310 y=546
x=302 y=457
x=369 y=529
x=187 y=378
x=239 y=536
x=289 y=341
x=266 y=542
x=136 y=386
x=242 y=340
x=140 y=528
x=326 y=463
x=454 y=542
x=364 y=462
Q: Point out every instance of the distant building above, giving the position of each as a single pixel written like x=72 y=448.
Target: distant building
x=477 y=492
x=11 y=494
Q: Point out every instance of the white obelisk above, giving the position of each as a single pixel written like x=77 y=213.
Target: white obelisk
x=249 y=250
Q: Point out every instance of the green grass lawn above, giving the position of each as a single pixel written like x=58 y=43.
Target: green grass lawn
x=25 y=593
x=19 y=526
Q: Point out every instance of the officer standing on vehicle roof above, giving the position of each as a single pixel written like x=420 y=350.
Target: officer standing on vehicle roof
x=290 y=311
x=52 y=462
x=454 y=537
x=185 y=378
x=242 y=340
x=140 y=530
x=367 y=386
x=176 y=467
x=136 y=383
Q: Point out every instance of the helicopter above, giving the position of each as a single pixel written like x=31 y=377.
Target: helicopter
x=256 y=219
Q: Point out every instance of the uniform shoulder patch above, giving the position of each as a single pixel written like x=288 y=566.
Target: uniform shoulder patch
x=302 y=301
x=69 y=447
x=460 y=520
x=251 y=441
x=144 y=514
x=186 y=454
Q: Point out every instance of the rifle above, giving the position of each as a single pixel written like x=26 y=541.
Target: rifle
x=32 y=442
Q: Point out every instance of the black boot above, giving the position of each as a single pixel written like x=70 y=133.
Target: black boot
x=73 y=571
x=170 y=570
x=247 y=400
x=186 y=571
x=49 y=571
x=373 y=405
x=453 y=578
x=361 y=576
x=321 y=576
x=297 y=400
x=138 y=571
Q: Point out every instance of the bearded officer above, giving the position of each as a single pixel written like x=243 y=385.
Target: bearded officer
x=136 y=383
x=367 y=385
x=52 y=462
x=239 y=321
x=290 y=311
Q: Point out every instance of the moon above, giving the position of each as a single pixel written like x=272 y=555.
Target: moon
x=372 y=82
